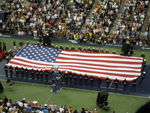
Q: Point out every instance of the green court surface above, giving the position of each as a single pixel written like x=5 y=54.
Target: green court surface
x=71 y=97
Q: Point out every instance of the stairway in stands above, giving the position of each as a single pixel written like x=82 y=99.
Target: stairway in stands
x=145 y=25
x=119 y=15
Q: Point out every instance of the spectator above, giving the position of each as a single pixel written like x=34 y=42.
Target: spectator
x=98 y=26
x=130 y=24
x=45 y=110
x=29 y=108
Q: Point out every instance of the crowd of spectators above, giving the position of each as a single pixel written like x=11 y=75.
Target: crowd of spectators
x=79 y=20
x=38 y=17
x=24 y=106
x=74 y=15
x=130 y=24
x=97 y=27
x=10 y=5
x=146 y=33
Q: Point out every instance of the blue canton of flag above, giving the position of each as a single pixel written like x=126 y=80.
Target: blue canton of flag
x=39 y=53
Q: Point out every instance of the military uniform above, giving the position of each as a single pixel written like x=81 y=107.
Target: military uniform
x=46 y=74
x=11 y=71
x=107 y=82
x=26 y=73
x=134 y=85
x=41 y=75
x=22 y=72
x=6 y=71
x=116 y=84
x=37 y=73
x=17 y=70
x=124 y=85
x=32 y=72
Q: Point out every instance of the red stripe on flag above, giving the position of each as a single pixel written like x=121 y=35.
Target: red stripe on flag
x=27 y=65
x=98 y=65
x=104 y=61
x=105 y=73
x=98 y=56
x=115 y=70
x=32 y=62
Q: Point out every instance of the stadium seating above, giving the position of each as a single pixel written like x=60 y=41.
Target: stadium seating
x=74 y=15
x=10 y=5
x=98 y=25
x=35 y=18
x=146 y=34
x=131 y=21
x=88 y=21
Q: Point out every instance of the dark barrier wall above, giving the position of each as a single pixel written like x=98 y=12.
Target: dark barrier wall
x=74 y=41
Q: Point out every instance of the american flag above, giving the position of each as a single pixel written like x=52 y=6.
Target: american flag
x=95 y=64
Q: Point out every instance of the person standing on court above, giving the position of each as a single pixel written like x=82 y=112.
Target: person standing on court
x=107 y=82
x=116 y=83
x=11 y=71
x=124 y=84
x=6 y=71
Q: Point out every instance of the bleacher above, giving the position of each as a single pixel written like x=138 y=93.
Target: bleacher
x=130 y=23
x=85 y=21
